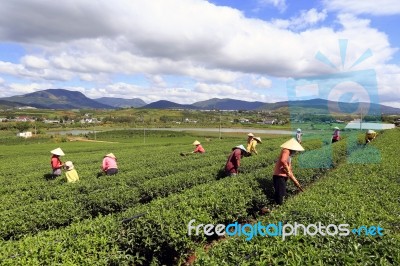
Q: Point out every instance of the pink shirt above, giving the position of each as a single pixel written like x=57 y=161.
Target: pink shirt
x=336 y=135
x=109 y=163
x=199 y=149
x=55 y=162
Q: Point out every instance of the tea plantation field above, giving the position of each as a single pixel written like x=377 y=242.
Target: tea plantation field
x=140 y=216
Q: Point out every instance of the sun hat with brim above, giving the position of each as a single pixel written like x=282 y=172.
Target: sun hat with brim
x=293 y=145
x=58 y=152
x=240 y=147
x=196 y=142
x=258 y=139
x=250 y=135
x=69 y=165
x=336 y=128
x=370 y=131
x=111 y=155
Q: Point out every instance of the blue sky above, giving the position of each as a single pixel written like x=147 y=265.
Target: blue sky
x=193 y=50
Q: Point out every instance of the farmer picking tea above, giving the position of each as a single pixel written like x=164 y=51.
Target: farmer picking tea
x=298 y=135
x=55 y=161
x=109 y=165
x=70 y=174
x=336 y=135
x=233 y=162
x=283 y=169
x=199 y=148
x=370 y=136
x=251 y=146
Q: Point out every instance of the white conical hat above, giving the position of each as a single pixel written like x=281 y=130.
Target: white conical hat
x=370 y=131
x=196 y=142
x=110 y=155
x=299 y=130
x=336 y=128
x=258 y=139
x=293 y=145
x=69 y=165
x=240 y=147
x=250 y=135
x=58 y=152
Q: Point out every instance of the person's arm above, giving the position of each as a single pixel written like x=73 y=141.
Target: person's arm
x=288 y=170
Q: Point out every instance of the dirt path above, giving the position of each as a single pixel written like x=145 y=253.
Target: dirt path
x=88 y=140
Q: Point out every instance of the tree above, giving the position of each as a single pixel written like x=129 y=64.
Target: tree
x=22 y=126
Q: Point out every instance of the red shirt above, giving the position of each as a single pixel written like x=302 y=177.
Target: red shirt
x=55 y=162
x=283 y=162
x=233 y=163
x=199 y=149
x=336 y=135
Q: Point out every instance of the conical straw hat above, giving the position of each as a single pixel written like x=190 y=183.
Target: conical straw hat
x=110 y=155
x=240 y=147
x=69 y=164
x=250 y=135
x=293 y=145
x=196 y=142
x=370 y=131
x=258 y=139
x=58 y=152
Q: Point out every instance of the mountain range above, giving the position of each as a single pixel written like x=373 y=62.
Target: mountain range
x=65 y=99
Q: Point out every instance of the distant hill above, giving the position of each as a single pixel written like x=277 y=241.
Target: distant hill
x=65 y=99
x=7 y=104
x=325 y=106
x=120 y=102
x=163 y=104
x=227 y=104
x=57 y=99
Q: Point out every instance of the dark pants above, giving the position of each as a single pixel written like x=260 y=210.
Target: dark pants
x=112 y=171
x=334 y=140
x=280 y=188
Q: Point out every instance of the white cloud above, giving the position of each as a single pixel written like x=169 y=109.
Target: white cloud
x=383 y=7
x=21 y=88
x=305 y=19
x=279 y=4
x=262 y=82
x=193 y=39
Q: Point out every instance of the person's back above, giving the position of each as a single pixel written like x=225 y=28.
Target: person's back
x=109 y=165
x=71 y=174
x=233 y=162
x=370 y=135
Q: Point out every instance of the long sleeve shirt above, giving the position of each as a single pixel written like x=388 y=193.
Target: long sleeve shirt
x=233 y=163
x=251 y=147
x=336 y=135
x=199 y=149
x=55 y=162
x=109 y=163
x=72 y=176
x=283 y=165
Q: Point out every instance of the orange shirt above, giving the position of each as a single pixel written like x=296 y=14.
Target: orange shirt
x=283 y=162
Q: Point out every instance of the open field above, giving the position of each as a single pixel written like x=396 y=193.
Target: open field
x=141 y=215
